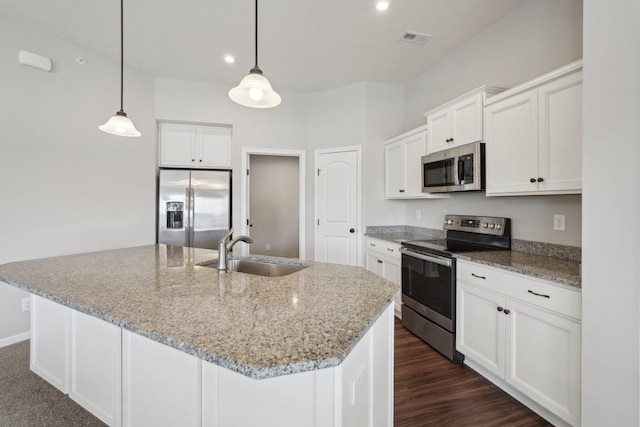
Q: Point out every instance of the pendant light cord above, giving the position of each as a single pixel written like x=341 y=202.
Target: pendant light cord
x=256 y=35
x=122 y=54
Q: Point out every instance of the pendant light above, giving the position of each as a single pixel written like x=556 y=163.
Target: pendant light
x=254 y=89
x=120 y=124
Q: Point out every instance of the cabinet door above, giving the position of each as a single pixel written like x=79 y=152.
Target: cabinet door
x=213 y=147
x=49 y=355
x=374 y=263
x=177 y=145
x=161 y=385
x=543 y=359
x=96 y=367
x=480 y=327
x=560 y=138
x=394 y=173
x=466 y=121
x=438 y=131
x=415 y=147
x=511 y=131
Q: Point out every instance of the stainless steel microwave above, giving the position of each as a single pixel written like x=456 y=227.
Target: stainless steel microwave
x=455 y=169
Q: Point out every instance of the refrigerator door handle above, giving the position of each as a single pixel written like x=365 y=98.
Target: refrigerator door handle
x=187 y=228
x=192 y=213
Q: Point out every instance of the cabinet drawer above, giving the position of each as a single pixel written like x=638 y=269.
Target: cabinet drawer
x=524 y=288
x=383 y=247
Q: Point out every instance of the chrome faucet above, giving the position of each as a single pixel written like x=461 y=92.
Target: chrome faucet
x=226 y=245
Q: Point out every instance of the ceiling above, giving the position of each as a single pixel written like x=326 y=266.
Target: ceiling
x=304 y=45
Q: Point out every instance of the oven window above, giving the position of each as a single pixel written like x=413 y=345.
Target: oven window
x=429 y=284
x=439 y=173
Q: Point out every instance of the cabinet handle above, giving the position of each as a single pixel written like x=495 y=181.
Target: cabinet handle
x=479 y=277
x=451 y=139
x=200 y=160
x=506 y=311
x=500 y=308
x=532 y=180
x=372 y=244
x=540 y=179
x=537 y=294
x=193 y=160
x=390 y=250
x=402 y=191
x=379 y=261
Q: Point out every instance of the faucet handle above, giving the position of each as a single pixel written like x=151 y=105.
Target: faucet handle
x=227 y=236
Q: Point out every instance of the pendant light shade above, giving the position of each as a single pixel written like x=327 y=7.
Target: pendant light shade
x=254 y=89
x=120 y=124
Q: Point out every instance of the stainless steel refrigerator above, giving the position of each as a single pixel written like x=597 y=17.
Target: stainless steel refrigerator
x=194 y=207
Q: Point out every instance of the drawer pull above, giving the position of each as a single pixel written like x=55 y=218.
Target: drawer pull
x=379 y=261
x=479 y=277
x=390 y=250
x=537 y=294
x=372 y=244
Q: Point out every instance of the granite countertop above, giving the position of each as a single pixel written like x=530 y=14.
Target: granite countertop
x=398 y=237
x=557 y=270
x=258 y=326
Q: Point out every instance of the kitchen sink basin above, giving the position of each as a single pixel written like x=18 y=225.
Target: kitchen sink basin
x=261 y=268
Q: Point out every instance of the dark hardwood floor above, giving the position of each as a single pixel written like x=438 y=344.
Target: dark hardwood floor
x=431 y=391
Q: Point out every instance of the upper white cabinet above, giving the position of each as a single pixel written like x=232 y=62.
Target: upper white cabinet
x=191 y=146
x=534 y=136
x=524 y=335
x=403 y=165
x=458 y=122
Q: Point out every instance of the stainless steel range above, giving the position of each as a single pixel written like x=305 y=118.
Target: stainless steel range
x=429 y=276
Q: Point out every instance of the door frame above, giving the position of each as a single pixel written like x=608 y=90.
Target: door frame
x=244 y=206
x=359 y=231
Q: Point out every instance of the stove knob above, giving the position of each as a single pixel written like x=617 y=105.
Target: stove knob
x=485 y=225
x=498 y=226
x=491 y=225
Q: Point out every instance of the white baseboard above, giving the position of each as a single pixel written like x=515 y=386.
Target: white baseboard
x=14 y=339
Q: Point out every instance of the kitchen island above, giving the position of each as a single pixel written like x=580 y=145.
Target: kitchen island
x=322 y=336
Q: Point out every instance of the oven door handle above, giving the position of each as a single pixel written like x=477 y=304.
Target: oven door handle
x=434 y=259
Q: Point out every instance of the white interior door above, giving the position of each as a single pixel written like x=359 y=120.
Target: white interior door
x=337 y=206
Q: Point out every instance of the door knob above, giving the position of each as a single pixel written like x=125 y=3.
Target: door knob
x=352 y=230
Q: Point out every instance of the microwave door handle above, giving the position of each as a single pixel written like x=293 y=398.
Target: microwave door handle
x=460 y=171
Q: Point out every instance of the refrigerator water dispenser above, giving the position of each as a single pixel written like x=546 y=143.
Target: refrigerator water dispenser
x=175 y=211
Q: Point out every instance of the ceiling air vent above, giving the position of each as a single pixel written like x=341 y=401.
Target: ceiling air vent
x=415 y=38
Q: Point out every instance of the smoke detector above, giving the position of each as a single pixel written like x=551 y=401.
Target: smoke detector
x=415 y=38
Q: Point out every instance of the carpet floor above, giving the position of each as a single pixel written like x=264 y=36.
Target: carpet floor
x=26 y=400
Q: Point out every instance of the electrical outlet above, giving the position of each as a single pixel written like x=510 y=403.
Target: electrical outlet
x=26 y=304
x=558 y=222
x=418 y=214
x=268 y=247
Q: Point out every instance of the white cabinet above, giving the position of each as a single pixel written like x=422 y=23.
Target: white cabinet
x=384 y=259
x=95 y=380
x=49 y=352
x=458 y=122
x=79 y=355
x=534 y=136
x=161 y=385
x=524 y=335
x=403 y=166
x=191 y=146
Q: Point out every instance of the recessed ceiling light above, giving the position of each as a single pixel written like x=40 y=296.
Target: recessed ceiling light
x=382 y=5
x=230 y=59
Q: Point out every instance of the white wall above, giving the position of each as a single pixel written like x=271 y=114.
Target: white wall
x=66 y=186
x=611 y=255
x=536 y=38
x=284 y=127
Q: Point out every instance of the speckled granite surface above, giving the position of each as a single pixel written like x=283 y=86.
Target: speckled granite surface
x=571 y=253
x=258 y=326
x=557 y=270
x=402 y=233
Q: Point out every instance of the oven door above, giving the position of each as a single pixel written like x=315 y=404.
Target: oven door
x=428 y=287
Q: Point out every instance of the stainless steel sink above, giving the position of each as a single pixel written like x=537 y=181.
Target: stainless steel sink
x=260 y=268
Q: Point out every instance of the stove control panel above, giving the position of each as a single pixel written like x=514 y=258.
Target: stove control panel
x=477 y=224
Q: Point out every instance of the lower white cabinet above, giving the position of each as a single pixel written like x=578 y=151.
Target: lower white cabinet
x=161 y=385
x=384 y=259
x=126 y=379
x=524 y=335
x=78 y=354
